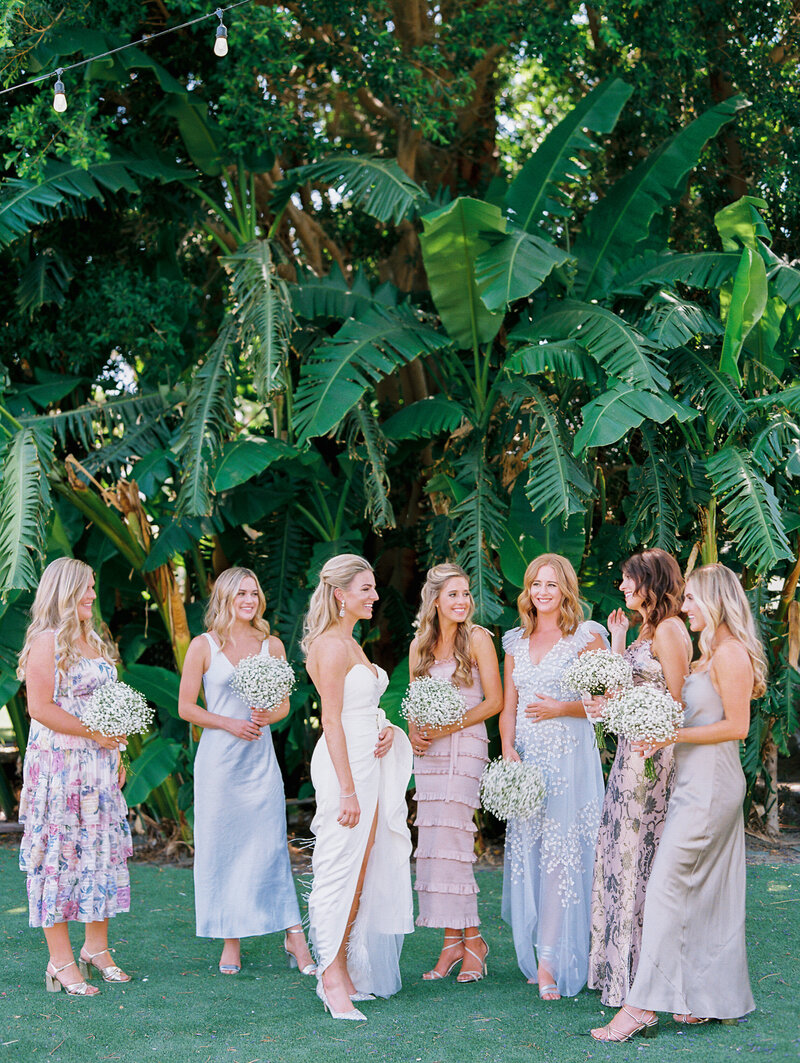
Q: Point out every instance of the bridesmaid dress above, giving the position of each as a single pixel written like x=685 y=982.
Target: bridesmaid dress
x=448 y=779
x=385 y=911
x=630 y=829
x=77 y=840
x=547 y=877
x=693 y=958
x=243 y=883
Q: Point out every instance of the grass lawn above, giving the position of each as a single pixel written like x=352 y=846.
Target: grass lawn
x=179 y=1009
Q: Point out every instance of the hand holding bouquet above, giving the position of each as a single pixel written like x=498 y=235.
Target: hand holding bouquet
x=511 y=789
x=117 y=709
x=597 y=674
x=432 y=702
x=644 y=714
x=263 y=682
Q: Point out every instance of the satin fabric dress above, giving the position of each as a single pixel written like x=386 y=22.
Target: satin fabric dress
x=385 y=912
x=77 y=840
x=243 y=884
x=631 y=823
x=547 y=874
x=448 y=778
x=693 y=957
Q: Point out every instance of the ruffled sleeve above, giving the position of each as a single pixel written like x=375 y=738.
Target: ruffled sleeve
x=587 y=631
x=511 y=639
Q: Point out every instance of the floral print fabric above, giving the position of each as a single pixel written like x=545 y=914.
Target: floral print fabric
x=77 y=839
x=631 y=823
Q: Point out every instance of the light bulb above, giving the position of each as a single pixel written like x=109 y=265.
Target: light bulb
x=59 y=93
x=221 y=39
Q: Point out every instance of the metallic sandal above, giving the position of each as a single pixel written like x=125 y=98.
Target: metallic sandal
x=75 y=989
x=646 y=1029
x=111 y=973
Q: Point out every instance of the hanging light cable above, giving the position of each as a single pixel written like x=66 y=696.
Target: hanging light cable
x=59 y=93
x=221 y=39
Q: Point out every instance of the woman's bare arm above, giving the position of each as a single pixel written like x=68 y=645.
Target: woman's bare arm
x=198 y=658
x=673 y=649
x=508 y=714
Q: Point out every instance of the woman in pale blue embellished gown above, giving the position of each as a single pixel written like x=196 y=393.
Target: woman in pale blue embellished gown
x=547 y=879
x=242 y=874
x=361 y=903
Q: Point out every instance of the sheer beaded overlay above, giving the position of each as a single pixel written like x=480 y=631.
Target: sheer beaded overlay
x=549 y=857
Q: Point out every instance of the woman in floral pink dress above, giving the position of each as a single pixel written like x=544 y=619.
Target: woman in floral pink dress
x=76 y=839
x=635 y=807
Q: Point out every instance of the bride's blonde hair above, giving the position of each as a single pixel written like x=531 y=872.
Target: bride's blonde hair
x=323 y=609
x=718 y=593
x=55 y=608
x=220 y=615
x=570 y=614
x=428 y=629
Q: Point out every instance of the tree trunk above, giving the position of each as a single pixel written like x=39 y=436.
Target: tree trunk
x=770 y=755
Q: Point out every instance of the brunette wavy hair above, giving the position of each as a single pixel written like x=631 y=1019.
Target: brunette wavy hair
x=659 y=582
x=567 y=579
x=428 y=630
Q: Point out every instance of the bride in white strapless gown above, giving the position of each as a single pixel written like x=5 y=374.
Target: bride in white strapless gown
x=361 y=902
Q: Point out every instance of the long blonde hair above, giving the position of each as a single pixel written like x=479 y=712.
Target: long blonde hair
x=55 y=608
x=718 y=592
x=571 y=611
x=323 y=609
x=429 y=631
x=220 y=615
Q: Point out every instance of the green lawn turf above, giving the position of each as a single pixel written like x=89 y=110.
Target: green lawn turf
x=179 y=1009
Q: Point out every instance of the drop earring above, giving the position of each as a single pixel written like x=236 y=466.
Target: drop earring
x=341 y=610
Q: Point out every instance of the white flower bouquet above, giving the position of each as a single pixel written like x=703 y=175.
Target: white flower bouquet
x=511 y=789
x=644 y=714
x=597 y=673
x=431 y=702
x=117 y=709
x=263 y=682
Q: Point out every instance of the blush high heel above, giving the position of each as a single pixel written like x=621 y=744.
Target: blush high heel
x=645 y=1028
x=433 y=975
x=474 y=976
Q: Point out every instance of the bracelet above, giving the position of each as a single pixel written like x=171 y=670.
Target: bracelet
x=344 y=797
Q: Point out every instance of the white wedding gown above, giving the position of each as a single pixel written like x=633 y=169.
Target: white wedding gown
x=385 y=912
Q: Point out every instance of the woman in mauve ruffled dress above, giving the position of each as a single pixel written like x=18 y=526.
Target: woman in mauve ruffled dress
x=448 y=766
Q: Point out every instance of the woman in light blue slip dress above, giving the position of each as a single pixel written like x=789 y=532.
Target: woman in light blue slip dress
x=242 y=875
x=547 y=878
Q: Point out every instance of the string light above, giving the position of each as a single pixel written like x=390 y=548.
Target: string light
x=221 y=41
x=59 y=93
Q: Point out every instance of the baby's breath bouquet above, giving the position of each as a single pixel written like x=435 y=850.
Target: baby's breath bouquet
x=644 y=714
x=117 y=709
x=511 y=789
x=431 y=702
x=597 y=673
x=263 y=682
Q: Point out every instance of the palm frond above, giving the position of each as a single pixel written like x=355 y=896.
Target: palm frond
x=368 y=446
x=750 y=508
x=708 y=388
x=264 y=314
x=557 y=483
x=43 y=280
x=610 y=416
x=25 y=504
x=619 y=347
x=478 y=527
x=378 y=186
x=621 y=221
x=657 y=503
x=331 y=296
x=514 y=265
x=335 y=376
x=425 y=419
x=562 y=358
x=208 y=416
x=706 y=270
x=539 y=187
x=671 y=322
x=66 y=188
